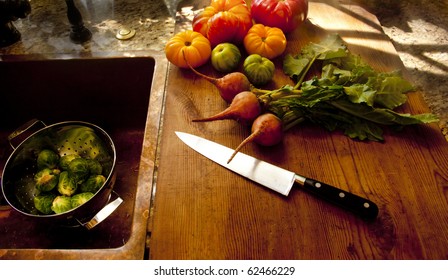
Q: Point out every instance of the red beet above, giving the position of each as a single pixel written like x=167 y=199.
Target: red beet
x=245 y=108
x=228 y=85
x=266 y=130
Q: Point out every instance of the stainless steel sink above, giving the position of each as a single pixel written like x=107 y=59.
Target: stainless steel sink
x=121 y=92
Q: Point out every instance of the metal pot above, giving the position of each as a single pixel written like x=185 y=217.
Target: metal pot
x=17 y=179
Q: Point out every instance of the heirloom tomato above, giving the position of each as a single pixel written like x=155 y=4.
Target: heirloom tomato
x=284 y=14
x=196 y=47
x=266 y=41
x=259 y=70
x=225 y=57
x=224 y=21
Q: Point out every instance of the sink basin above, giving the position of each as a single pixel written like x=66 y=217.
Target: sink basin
x=119 y=92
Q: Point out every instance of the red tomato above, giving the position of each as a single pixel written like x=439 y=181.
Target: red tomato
x=284 y=14
x=224 y=21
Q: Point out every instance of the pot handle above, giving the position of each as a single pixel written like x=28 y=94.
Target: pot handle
x=103 y=213
x=23 y=128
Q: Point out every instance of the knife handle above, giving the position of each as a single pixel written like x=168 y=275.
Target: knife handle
x=360 y=206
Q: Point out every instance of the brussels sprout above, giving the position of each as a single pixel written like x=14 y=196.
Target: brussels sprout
x=79 y=169
x=61 y=204
x=65 y=160
x=67 y=184
x=43 y=203
x=95 y=167
x=46 y=179
x=47 y=159
x=56 y=171
x=93 y=183
x=81 y=198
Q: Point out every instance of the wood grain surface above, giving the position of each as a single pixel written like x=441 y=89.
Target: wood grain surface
x=203 y=211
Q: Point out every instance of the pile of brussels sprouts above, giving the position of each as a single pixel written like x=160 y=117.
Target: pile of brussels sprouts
x=65 y=182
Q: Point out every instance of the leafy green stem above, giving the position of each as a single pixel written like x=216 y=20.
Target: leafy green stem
x=303 y=75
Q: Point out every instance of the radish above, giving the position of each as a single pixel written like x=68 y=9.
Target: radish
x=228 y=85
x=244 y=108
x=266 y=130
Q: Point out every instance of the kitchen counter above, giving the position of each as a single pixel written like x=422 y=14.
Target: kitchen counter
x=46 y=29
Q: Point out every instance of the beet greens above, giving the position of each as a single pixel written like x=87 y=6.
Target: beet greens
x=349 y=94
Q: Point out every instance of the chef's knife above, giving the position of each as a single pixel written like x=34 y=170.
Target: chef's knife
x=276 y=178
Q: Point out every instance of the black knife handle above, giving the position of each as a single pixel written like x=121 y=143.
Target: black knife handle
x=360 y=206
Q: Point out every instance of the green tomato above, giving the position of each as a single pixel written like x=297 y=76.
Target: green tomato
x=259 y=70
x=225 y=57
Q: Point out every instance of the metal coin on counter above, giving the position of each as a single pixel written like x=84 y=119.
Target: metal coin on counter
x=125 y=33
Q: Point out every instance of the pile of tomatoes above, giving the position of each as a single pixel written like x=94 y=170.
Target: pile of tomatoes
x=220 y=29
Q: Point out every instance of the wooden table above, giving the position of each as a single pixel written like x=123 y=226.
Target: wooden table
x=203 y=211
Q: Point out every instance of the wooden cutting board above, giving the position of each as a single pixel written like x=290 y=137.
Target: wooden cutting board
x=203 y=211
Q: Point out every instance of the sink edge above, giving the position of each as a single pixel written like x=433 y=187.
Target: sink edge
x=135 y=247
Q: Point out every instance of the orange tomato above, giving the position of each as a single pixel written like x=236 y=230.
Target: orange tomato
x=196 y=47
x=266 y=41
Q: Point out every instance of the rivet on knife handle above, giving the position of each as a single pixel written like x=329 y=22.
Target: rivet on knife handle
x=358 y=205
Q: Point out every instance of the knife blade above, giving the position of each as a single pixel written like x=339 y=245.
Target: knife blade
x=277 y=178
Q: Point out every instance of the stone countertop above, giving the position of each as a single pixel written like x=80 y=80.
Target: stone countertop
x=419 y=31
x=46 y=29
x=417 y=34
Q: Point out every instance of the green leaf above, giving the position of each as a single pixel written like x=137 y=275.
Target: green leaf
x=363 y=130
x=294 y=67
x=390 y=89
x=313 y=94
x=330 y=117
x=330 y=47
x=359 y=70
x=335 y=74
x=381 y=115
x=360 y=93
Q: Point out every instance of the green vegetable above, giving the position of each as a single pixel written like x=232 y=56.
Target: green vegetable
x=225 y=57
x=58 y=191
x=332 y=47
x=43 y=203
x=259 y=70
x=93 y=183
x=67 y=184
x=95 y=167
x=79 y=169
x=47 y=159
x=349 y=95
x=61 y=204
x=65 y=160
x=46 y=179
x=81 y=198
